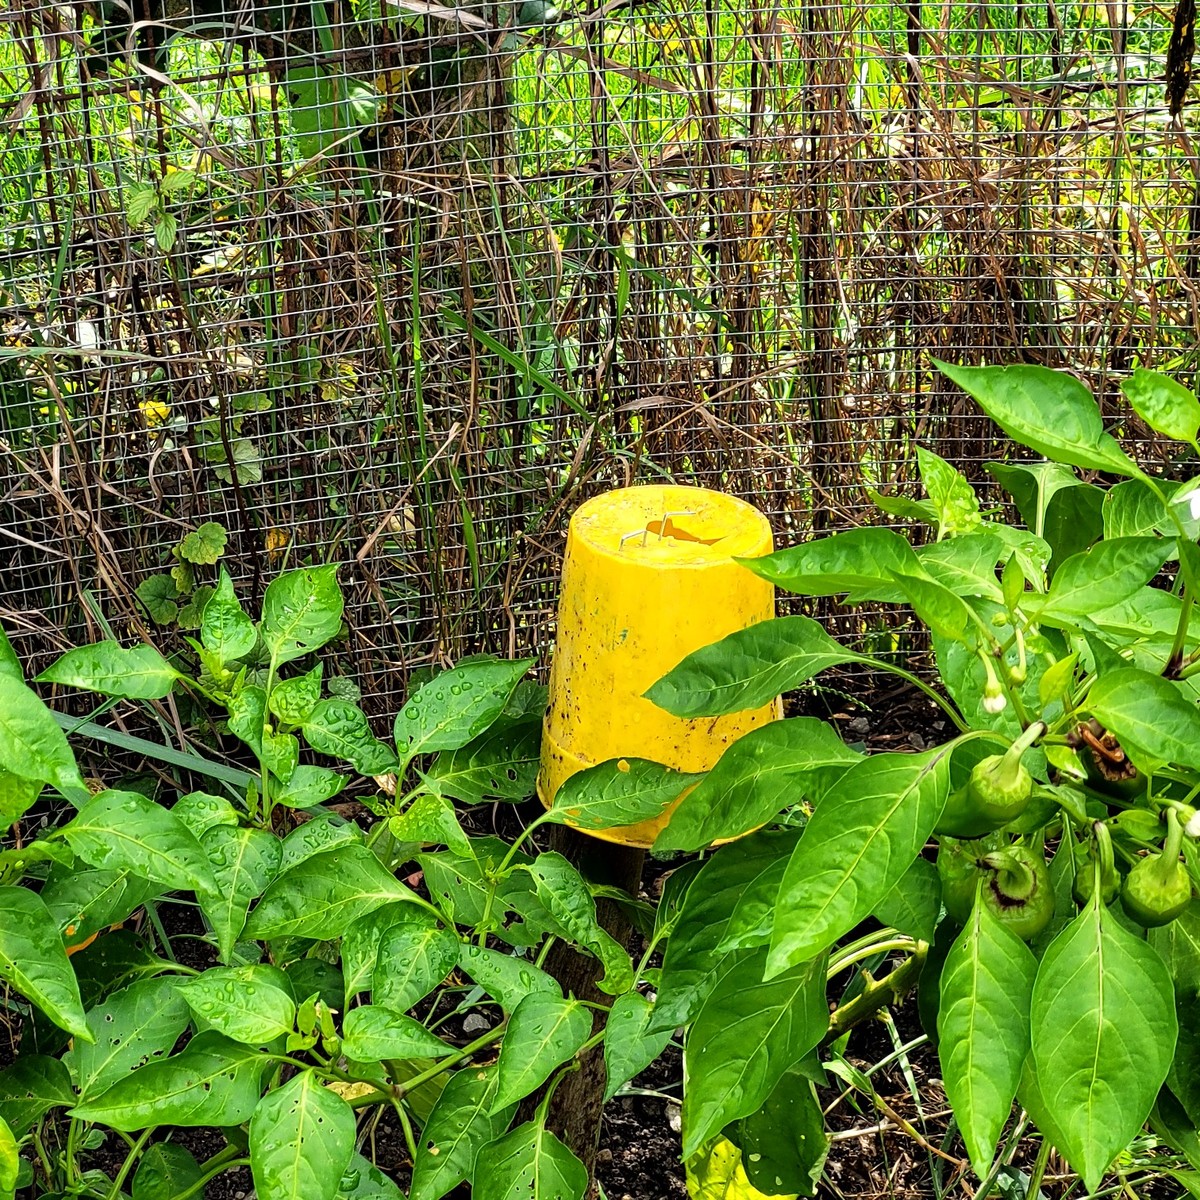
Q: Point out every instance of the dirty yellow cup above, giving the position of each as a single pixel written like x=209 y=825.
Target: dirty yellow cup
x=648 y=578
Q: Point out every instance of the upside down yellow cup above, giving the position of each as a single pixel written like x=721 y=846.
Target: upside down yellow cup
x=648 y=578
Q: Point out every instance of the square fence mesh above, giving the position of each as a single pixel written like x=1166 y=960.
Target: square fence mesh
x=397 y=284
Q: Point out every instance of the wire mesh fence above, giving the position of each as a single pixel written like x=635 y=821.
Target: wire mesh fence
x=397 y=284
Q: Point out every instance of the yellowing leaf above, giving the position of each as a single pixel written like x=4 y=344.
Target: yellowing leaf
x=717 y=1174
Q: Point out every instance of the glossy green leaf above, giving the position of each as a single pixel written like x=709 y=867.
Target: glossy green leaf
x=200 y=812
x=246 y=1004
x=1133 y=509
x=374 y=1033
x=30 y=1088
x=753 y=914
x=904 y=507
x=340 y=729
x=360 y=945
x=1151 y=717
x=280 y=754
x=301 y=1140
x=165 y=1171
x=243 y=862
x=1164 y=404
x=1108 y=573
x=248 y=715
x=563 y=892
x=1179 y=945
x=225 y=630
x=293 y=700
x=309 y=786
x=629 y=1045
x=784 y=1144
x=760 y=775
x=749 y=1032
x=529 y=1163
x=939 y=609
x=695 y=953
x=914 y=904
x=321 y=896
x=34 y=961
x=457 y=706
x=140 y=673
x=543 y=1032
x=137 y=1025
x=211 y=1081
x=31 y=744
x=83 y=902
x=501 y=764
x=363 y=1180
x=965 y=565
x=460 y=1123
x=301 y=611
x=16 y=797
x=858 y=562
x=10 y=664
x=1103 y=1036
x=619 y=792
x=124 y=831
x=858 y=843
x=505 y=977
x=983 y=1029
x=9 y=1162
x=430 y=819
x=416 y=953
x=749 y=668
x=953 y=498
x=1048 y=411
x=322 y=833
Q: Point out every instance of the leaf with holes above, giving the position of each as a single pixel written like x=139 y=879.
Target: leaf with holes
x=248 y=1004
x=301 y=612
x=501 y=764
x=620 y=792
x=166 y=1170
x=529 y=1163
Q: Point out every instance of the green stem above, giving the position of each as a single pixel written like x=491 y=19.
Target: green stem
x=199 y=1185
x=1039 y=1167
x=848 y=960
x=127 y=1166
x=411 y=1085
x=876 y=994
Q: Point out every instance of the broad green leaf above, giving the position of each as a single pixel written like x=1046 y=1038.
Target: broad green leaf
x=620 y=792
x=374 y=1033
x=858 y=562
x=416 y=954
x=34 y=960
x=16 y=797
x=430 y=819
x=31 y=744
x=1165 y=405
x=749 y=1032
x=211 y=1081
x=784 y=1143
x=858 y=843
x=566 y=897
x=941 y=610
x=1179 y=945
x=1184 y=1076
x=301 y=1140
x=310 y=786
x=341 y=729
x=225 y=630
x=629 y=1045
x=1170 y=1123
x=543 y=1032
x=83 y=902
x=280 y=754
x=360 y=945
x=321 y=896
x=165 y=1171
x=529 y=1163
x=505 y=977
x=123 y=831
x=953 y=498
x=1152 y=719
x=1132 y=509
x=1103 y=1035
x=459 y=1124
x=293 y=700
x=1032 y=485
x=9 y=1162
x=1074 y=520
x=30 y=1088
x=10 y=664
x=914 y=904
x=1048 y=411
x=983 y=1029
x=753 y=914
x=200 y=812
x=243 y=862
x=322 y=833
x=749 y=668
x=1112 y=571
x=160 y=596
x=140 y=673
x=965 y=565
x=501 y=764
x=457 y=706
x=904 y=507
x=695 y=953
x=760 y=775
x=246 y=1004
x=248 y=715
x=137 y=1025
x=301 y=611
x=205 y=544
x=363 y=1180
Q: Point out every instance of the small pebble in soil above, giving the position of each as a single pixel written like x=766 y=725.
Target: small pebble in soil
x=474 y=1023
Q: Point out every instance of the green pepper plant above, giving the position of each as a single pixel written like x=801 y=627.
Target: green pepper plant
x=336 y=971
x=1033 y=876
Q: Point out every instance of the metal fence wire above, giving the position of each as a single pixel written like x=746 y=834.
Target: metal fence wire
x=398 y=284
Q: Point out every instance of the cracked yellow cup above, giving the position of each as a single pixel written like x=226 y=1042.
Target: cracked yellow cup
x=648 y=577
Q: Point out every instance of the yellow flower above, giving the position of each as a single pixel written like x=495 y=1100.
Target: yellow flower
x=155 y=413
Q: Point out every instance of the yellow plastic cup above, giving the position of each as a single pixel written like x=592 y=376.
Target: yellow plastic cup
x=648 y=578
